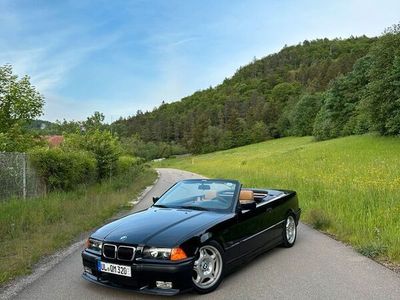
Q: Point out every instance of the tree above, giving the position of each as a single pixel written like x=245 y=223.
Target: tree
x=383 y=92
x=341 y=101
x=94 y=122
x=284 y=93
x=19 y=100
x=367 y=98
x=283 y=97
x=213 y=139
x=15 y=140
x=69 y=126
x=258 y=132
x=266 y=90
x=197 y=143
x=304 y=113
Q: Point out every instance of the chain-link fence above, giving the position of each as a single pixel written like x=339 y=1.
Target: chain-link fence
x=18 y=178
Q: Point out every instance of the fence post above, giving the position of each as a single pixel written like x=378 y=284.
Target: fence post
x=24 y=175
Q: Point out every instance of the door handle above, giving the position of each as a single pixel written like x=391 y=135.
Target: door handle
x=269 y=210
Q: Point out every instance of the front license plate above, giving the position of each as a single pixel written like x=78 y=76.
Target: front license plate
x=114 y=269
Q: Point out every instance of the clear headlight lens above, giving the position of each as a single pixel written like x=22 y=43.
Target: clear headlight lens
x=94 y=245
x=156 y=253
x=164 y=253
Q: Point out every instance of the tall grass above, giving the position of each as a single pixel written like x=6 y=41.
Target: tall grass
x=349 y=187
x=30 y=229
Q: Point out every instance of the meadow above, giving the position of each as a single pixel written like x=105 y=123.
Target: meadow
x=348 y=187
x=33 y=228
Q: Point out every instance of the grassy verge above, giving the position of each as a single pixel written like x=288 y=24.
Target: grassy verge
x=348 y=187
x=37 y=227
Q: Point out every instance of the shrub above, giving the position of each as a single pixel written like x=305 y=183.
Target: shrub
x=64 y=170
x=16 y=140
x=102 y=144
x=125 y=163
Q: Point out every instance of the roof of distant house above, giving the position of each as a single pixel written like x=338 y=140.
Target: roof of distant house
x=54 y=140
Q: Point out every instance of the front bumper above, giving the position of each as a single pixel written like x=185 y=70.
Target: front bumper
x=144 y=275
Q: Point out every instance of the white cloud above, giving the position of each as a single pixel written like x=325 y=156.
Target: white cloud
x=50 y=55
x=173 y=60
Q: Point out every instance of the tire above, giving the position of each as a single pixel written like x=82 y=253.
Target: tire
x=289 y=231
x=208 y=268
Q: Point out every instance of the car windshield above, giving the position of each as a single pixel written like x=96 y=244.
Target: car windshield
x=201 y=194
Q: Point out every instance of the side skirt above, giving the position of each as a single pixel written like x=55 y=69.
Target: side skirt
x=238 y=261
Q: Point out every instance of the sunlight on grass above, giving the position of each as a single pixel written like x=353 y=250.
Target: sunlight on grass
x=349 y=187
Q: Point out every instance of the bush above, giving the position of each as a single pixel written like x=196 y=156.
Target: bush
x=16 y=140
x=126 y=163
x=102 y=144
x=64 y=170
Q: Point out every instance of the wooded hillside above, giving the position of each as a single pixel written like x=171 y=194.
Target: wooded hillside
x=327 y=88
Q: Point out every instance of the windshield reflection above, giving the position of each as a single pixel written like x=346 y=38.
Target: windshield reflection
x=201 y=194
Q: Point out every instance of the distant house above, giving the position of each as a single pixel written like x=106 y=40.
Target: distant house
x=54 y=141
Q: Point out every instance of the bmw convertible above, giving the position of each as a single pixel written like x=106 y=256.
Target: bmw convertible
x=192 y=235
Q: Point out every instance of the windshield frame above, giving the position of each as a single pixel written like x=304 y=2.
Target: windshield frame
x=231 y=208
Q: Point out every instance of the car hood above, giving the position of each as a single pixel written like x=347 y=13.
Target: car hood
x=160 y=227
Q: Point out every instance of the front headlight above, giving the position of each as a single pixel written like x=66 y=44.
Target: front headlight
x=164 y=253
x=94 y=245
x=156 y=253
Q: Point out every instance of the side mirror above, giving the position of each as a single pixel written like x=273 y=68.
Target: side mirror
x=155 y=199
x=248 y=206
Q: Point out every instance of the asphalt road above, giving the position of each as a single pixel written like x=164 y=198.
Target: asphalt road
x=317 y=267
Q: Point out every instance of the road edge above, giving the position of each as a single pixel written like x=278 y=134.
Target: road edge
x=47 y=263
x=146 y=190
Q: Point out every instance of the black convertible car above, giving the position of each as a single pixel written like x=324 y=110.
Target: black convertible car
x=193 y=234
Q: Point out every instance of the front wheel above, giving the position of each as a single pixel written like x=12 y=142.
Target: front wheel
x=208 y=268
x=289 y=232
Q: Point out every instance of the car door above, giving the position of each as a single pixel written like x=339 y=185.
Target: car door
x=272 y=222
x=253 y=224
x=246 y=232
x=279 y=206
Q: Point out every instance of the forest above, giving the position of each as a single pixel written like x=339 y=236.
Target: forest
x=325 y=88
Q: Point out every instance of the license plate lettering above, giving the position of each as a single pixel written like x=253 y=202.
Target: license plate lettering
x=115 y=269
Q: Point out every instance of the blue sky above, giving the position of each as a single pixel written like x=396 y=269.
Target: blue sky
x=120 y=56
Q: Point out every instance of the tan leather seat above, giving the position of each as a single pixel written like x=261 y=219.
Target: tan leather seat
x=246 y=196
x=209 y=195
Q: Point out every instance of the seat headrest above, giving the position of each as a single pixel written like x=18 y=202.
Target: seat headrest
x=246 y=195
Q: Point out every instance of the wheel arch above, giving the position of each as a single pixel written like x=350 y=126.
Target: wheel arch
x=192 y=245
x=295 y=214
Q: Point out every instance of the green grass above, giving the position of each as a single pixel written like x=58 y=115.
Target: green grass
x=349 y=187
x=33 y=228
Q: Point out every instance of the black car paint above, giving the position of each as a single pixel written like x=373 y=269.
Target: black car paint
x=159 y=227
x=242 y=235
